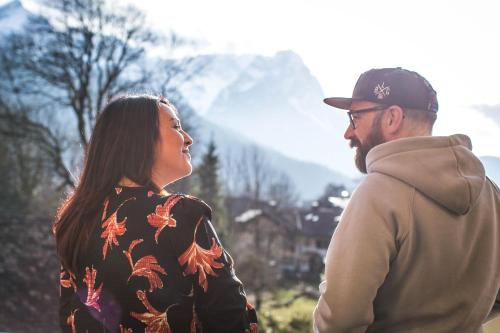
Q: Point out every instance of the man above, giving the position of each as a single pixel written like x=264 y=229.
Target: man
x=417 y=248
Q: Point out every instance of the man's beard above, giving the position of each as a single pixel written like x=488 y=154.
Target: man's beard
x=373 y=139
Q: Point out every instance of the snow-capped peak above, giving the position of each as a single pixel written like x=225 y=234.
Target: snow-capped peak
x=13 y=16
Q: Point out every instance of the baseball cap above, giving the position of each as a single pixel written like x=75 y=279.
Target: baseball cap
x=391 y=86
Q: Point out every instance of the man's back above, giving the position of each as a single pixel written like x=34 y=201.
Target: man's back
x=417 y=249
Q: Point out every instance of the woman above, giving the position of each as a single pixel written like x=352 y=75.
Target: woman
x=135 y=258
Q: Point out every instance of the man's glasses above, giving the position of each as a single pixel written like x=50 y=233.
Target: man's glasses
x=353 y=112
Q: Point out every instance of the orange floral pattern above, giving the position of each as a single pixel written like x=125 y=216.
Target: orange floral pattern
x=194 y=321
x=146 y=266
x=162 y=217
x=154 y=320
x=201 y=260
x=92 y=295
x=125 y=255
x=105 y=209
x=71 y=321
x=254 y=328
x=69 y=282
x=112 y=228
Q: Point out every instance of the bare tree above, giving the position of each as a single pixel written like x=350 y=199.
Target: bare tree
x=246 y=173
x=249 y=175
x=20 y=126
x=282 y=191
x=256 y=173
x=229 y=174
x=62 y=68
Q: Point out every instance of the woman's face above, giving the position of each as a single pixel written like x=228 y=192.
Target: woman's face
x=172 y=160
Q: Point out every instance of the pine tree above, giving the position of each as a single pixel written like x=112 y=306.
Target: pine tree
x=210 y=189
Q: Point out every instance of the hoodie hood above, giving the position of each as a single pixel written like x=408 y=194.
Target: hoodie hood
x=442 y=168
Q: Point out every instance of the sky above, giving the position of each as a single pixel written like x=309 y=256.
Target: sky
x=454 y=44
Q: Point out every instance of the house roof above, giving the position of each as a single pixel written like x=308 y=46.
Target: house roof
x=244 y=210
x=319 y=220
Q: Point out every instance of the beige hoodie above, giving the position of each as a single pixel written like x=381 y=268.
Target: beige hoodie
x=418 y=247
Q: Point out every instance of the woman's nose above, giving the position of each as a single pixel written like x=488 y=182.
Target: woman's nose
x=188 y=141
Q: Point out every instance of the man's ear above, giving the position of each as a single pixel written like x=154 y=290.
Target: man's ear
x=394 y=120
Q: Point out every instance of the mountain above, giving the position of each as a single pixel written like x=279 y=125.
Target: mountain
x=492 y=167
x=221 y=75
x=309 y=179
x=217 y=72
x=275 y=102
x=13 y=16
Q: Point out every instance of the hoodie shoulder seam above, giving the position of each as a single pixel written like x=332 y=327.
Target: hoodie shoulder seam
x=411 y=207
x=469 y=190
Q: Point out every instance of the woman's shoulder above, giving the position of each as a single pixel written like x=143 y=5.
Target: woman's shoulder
x=144 y=201
x=179 y=203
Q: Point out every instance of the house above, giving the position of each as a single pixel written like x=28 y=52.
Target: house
x=290 y=242
x=314 y=231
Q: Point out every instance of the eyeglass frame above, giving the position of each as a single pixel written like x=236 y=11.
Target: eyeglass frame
x=375 y=108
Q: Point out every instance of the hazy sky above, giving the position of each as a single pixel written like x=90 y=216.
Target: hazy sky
x=454 y=44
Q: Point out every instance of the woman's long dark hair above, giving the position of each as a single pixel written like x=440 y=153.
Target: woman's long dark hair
x=122 y=145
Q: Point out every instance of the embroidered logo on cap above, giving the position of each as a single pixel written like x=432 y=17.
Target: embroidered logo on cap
x=381 y=91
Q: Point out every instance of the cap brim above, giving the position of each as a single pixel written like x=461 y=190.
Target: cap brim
x=339 y=102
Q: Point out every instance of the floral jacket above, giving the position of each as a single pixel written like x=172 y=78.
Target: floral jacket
x=154 y=264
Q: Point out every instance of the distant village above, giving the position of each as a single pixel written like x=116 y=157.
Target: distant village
x=290 y=242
